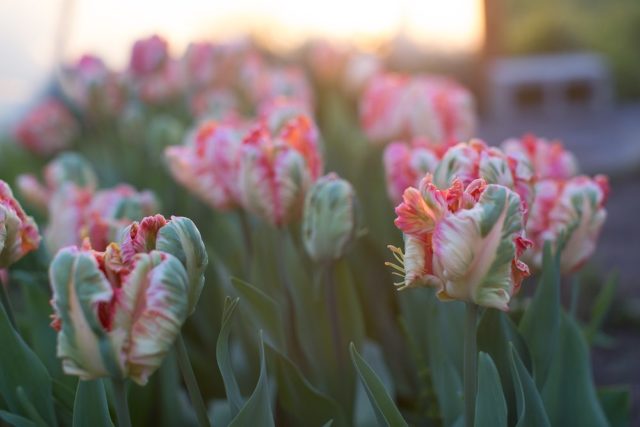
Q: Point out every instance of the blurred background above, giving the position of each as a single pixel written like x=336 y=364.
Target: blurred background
x=568 y=70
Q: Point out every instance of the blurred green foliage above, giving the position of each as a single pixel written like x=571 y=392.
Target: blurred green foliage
x=611 y=27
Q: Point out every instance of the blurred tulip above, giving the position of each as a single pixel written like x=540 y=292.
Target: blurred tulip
x=330 y=218
x=76 y=213
x=466 y=242
x=115 y=318
x=473 y=160
x=277 y=168
x=569 y=213
x=359 y=70
x=148 y=55
x=47 y=128
x=548 y=159
x=18 y=232
x=65 y=168
x=163 y=130
x=208 y=163
x=402 y=107
x=179 y=237
x=163 y=86
x=406 y=164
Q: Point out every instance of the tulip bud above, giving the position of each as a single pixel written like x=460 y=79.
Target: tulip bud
x=179 y=237
x=148 y=55
x=18 y=232
x=115 y=318
x=466 y=242
x=330 y=218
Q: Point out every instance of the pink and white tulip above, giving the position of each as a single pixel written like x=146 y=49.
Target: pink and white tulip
x=464 y=241
x=18 y=232
x=47 y=128
x=549 y=159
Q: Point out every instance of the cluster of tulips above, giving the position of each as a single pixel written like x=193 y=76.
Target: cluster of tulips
x=304 y=251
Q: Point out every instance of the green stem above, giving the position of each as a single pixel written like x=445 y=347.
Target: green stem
x=470 y=364
x=7 y=305
x=248 y=242
x=334 y=317
x=122 y=407
x=575 y=297
x=192 y=384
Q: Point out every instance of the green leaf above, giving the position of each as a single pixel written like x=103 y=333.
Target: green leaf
x=256 y=412
x=491 y=408
x=304 y=404
x=496 y=334
x=616 y=403
x=22 y=373
x=364 y=413
x=264 y=312
x=530 y=408
x=16 y=420
x=91 y=408
x=569 y=394
x=601 y=307
x=223 y=356
x=540 y=325
x=388 y=413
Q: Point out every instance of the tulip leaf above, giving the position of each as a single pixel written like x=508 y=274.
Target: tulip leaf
x=23 y=377
x=496 y=334
x=256 y=412
x=491 y=408
x=601 y=307
x=223 y=356
x=540 y=325
x=569 y=394
x=384 y=406
x=16 y=420
x=91 y=408
x=530 y=409
x=364 y=414
x=616 y=403
x=300 y=400
x=263 y=311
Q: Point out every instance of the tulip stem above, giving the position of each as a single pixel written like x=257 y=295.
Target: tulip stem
x=575 y=297
x=248 y=243
x=122 y=406
x=470 y=364
x=7 y=305
x=192 y=384
x=334 y=317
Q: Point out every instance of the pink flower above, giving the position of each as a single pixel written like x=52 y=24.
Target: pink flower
x=548 y=159
x=359 y=70
x=46 y=129
x=465 y=242
x=277 y=168
x=208 y=164
x=199 y=64
x=569 y=213
x=18 y=232
x=148 y=56
x=162 y=86
x=401 y=107
x=405 y=164
x=469 y=161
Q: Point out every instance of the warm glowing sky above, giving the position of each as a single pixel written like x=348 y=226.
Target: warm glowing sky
x=27 y=28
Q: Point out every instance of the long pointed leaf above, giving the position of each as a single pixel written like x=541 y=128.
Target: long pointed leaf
x=491 y=407
x=223 y=356
x=531 y=411
x=91 y=408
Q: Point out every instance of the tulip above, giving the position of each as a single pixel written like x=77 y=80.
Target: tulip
x=277 y=168
x=18 y=232
x=465 y=242
x=76 y=213
x=114 y=318
x=569 y=213
x=208 y=163
x=406 y=164
x=549 y=159
x=402 y=107
x=470 y=161
x=65 y=168
x=179 y=237
x=330 y=219
x=148 y=56
x=47 y=129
